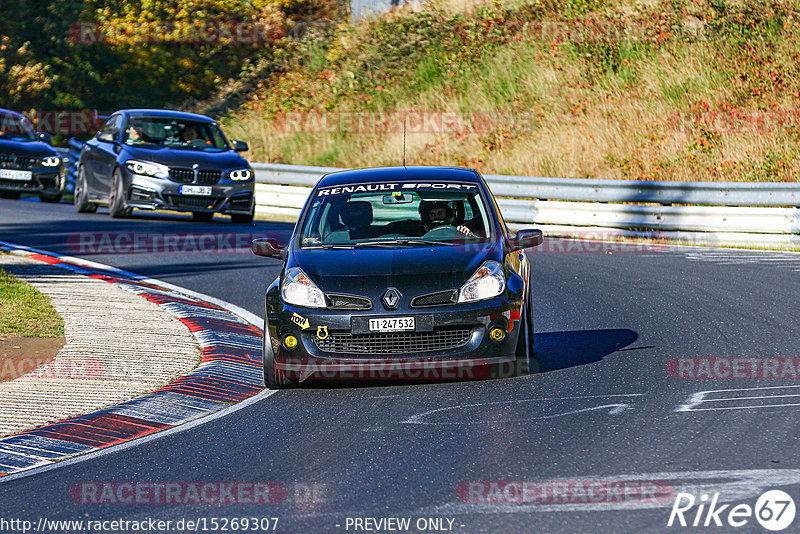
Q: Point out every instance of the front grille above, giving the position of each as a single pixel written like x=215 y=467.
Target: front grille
x=439 y=298
x=394 y=343
x=19 y=163
x=186 y=176
x=349 y=302
x=190 y=202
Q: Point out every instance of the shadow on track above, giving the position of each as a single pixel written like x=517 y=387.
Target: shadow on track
x=559 y=350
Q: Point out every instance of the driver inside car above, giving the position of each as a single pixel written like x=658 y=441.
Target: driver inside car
x=435 y=214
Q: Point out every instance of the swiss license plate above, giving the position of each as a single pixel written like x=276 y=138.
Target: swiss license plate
x=391 y=324
x=202 y=190
x=10 y=174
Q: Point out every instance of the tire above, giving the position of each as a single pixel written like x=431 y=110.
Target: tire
x=10 y=195
x=51 y=199
x=116 y=201
x=273 y=378
x=525 y=362
x=202 y=216
x=82 y=204
x=242 y=218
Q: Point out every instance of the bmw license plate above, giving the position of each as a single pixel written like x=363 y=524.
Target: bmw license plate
x=391 y=324
x=10 y=174
x=201 y=190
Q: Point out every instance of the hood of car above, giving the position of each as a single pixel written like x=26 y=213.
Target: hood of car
x=35 y=149
x=413 y=271
x=174 y=157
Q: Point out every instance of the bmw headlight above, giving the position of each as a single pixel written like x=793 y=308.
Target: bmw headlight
x=240 y=174
x=487 y=282
x=147 y=168
x=298 y=289
x=51 y=161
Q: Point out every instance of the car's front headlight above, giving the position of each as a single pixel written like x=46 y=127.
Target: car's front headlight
x=147 y=168
x=240 y=174
x=298 y=289
x=487 y=282
x=51 y=161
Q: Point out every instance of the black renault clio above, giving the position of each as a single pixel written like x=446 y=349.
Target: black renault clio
x=159 y=159
x=400 y=272
x=28 y=164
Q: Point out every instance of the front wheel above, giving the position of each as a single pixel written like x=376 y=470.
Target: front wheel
x=116 y=203
x=525 y=355
x=51 y=199
x=273 y=378
x=82 y=204
x=202 y=216
x=10 y=195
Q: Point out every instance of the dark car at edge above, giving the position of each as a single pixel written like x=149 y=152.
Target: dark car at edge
x=160 y=159
x=395 y=273
x=28 y=164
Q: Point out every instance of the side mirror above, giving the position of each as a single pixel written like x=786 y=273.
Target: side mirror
x=269 y=248
x=240 y=146
x=45 y=138
x=526 y=239
x=106 y=137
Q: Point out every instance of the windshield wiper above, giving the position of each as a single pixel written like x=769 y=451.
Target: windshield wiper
x=403 y=241
x=327 y=246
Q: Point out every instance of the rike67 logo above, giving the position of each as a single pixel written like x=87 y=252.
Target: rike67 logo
x=774 y=510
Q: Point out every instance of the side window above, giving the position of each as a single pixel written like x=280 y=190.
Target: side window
x=112 y=126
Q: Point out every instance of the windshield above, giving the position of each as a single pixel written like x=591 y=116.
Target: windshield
x=16 y=128
x=174 y=133
x=395 y=214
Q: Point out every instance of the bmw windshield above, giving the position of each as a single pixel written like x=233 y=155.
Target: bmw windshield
x=16 y=128
x=175 y=133
x=395 y=214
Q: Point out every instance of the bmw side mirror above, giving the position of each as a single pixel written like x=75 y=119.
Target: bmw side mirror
x=269 y=248
x=526 y=239
x=240 y=146
x=45 y=137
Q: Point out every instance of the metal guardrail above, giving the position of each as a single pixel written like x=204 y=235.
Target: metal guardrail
x=753 y=208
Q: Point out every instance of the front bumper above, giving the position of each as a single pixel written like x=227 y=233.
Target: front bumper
x=44 y=180
x=450 y=342
x=148 y=193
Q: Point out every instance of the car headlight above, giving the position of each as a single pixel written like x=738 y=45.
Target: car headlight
x=298 y=289
x=240 y=174
x=487 y=282
x=51 y=161
x=147 y=168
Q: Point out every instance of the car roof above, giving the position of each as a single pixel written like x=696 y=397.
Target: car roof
x=384 y=174
x=11 y=112
x=164 y=113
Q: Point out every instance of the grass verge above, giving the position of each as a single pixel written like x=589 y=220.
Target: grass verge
x=26 y=312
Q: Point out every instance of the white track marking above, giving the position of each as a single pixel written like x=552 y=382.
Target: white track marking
x=417 y=419
x=703 y=398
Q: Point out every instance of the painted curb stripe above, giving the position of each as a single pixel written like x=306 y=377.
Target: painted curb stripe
x=229 y=372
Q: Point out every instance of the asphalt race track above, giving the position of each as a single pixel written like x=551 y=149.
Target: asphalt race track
x=603 y=410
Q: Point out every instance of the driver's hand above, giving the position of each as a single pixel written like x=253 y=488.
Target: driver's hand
x=466 y=231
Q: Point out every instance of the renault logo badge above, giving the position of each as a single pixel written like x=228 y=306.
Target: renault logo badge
x=322 y=332
x=391 y=298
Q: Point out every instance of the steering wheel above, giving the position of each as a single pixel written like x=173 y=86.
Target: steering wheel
x=442 y=228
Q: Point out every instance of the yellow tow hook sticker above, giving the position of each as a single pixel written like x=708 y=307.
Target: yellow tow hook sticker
x=322 y=332
x=300 y=321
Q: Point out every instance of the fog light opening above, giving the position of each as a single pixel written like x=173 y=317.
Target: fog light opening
x=290 y=342
x=497 y=334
